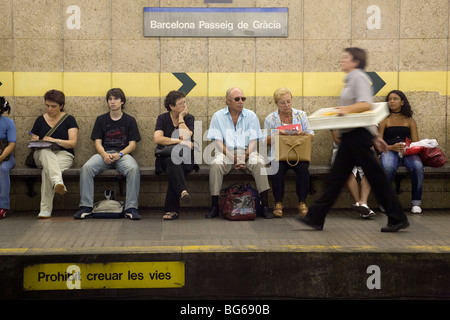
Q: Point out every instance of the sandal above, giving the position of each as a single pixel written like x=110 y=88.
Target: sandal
x=302 y=208
x=278 y=210
x=185 y=197
x=172 y=215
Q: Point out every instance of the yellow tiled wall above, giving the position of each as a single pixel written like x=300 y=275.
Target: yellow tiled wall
x=38 y=51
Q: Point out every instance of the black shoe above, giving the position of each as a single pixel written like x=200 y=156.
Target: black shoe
x=307 y=221
x=395 y=227
x=267 y=213
x=212 y=213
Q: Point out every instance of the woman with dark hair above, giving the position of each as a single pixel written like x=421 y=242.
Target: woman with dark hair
x=7 y=160
x=394 y=129
x=175 y=127
x=54 y=161
x=355 y=150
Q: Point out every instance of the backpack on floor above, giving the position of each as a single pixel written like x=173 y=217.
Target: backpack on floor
x=108 y=208
x=237 y=203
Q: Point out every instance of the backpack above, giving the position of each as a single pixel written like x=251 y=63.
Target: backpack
x=108 y=208
x=237 y=203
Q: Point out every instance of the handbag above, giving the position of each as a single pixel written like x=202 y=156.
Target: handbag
x=293 y=148
x=166 y=151
x=237 y=203
x=432 y=157
x=29 y=161
x=3 y=145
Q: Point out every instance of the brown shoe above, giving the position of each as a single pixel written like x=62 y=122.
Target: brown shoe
x=302 y=208
x=278 y=210
x=60 y=188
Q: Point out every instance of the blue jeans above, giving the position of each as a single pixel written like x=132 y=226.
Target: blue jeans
x=126 y=165
x=5 y=182
x=390 y=162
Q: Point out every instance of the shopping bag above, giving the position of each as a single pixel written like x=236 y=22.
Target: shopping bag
x=432 y=157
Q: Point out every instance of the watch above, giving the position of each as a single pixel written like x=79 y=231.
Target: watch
x=121 y=154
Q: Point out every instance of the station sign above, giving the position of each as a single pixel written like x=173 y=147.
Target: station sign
x=215 y=22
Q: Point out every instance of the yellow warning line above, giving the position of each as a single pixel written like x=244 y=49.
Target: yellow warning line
x=307 y=84
x=223 y=248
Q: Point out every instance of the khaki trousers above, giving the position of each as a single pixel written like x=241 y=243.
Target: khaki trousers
x=219 y=167
x=53 y=163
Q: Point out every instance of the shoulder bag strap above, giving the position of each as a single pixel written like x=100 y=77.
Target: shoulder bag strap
x=57 y=125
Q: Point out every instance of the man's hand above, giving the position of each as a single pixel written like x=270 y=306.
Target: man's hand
x=380 y=144
x=109 y=158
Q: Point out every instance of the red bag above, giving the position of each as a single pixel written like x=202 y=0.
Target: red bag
x=297 y=127
x=411 y=150
x=237 y=203
x=433 y=157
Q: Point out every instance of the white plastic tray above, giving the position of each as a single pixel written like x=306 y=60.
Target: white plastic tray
x=378 y=113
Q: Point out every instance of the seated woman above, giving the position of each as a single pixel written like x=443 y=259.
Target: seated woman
x=394 y=129
x=7 y=160
x=175 y=127
x=54 y=161
x=286 y=115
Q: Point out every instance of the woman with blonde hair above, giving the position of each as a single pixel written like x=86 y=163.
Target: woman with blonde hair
x=286 y=115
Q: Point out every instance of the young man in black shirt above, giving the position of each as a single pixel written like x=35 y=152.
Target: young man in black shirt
x=115 y=135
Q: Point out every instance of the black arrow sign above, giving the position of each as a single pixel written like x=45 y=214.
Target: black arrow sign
x=188 y=83
x=377 y=82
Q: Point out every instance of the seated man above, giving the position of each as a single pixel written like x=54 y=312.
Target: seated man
x=235 y=131
x=115 y=135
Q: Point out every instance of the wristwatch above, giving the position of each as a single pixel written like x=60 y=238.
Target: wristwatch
x=121 y=154
x=58 y=142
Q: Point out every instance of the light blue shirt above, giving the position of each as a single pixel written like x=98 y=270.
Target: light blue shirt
x=273 y=121
x=7 y=129
x=222 y=128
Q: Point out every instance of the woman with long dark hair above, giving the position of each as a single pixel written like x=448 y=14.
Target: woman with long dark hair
x=398 y=126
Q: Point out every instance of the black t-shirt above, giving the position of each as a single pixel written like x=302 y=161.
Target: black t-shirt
x=115 y=135
x=164 y=123
x=41 y=127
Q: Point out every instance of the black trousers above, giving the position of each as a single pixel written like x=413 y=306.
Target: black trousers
x=301 y=180
x=354 y=150
x=176 y=175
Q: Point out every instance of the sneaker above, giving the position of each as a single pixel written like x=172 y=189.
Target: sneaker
x=44 y=215
x=60 y=188
x=3 y=213
x=363 y=210
x=416 y=209
x=132 y=213
x=84 y=212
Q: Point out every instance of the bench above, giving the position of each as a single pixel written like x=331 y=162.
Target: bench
x=32 y=174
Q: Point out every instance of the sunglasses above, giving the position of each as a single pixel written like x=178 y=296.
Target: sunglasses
x=240 y=98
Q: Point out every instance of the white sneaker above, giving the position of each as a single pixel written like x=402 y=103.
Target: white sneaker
x=44 y=215
x=416 y=209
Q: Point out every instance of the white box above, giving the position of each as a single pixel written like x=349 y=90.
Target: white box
x=379 y=112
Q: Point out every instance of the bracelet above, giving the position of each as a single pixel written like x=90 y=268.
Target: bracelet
x=58 y=142
x=180 y=122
